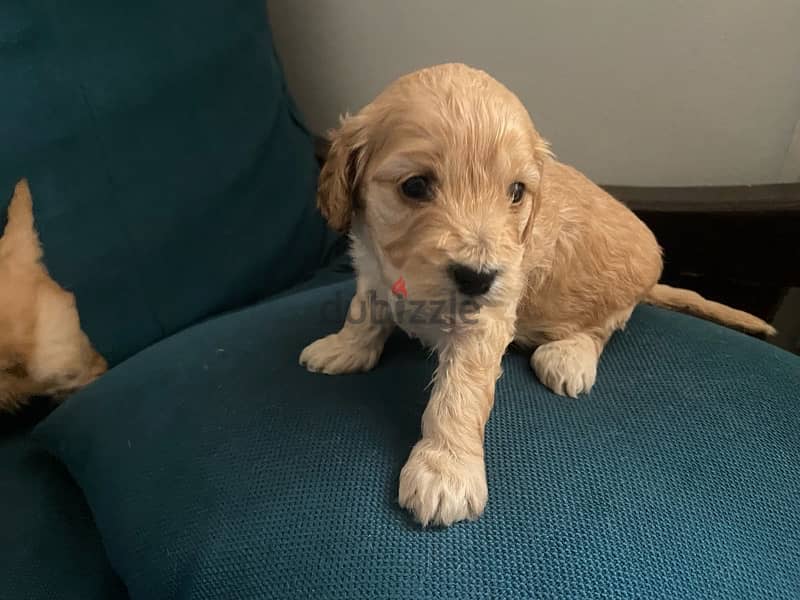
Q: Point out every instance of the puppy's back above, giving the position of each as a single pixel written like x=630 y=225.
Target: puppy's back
x=604 y=259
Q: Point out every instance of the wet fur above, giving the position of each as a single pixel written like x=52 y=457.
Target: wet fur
x=573 y=262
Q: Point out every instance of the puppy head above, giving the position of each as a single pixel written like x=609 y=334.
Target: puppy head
x=441 y=173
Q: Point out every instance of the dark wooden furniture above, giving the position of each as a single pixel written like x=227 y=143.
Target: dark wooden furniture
x=736 y=244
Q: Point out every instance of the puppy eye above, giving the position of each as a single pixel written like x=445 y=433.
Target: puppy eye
x=418 y=187
x=516 y=191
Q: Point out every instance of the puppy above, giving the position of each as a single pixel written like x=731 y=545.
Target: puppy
x=43 y=351
x=449 y=192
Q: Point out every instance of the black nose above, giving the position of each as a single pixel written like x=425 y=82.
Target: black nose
x=471 y=282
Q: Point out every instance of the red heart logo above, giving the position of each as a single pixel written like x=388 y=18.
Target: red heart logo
x=399 y=287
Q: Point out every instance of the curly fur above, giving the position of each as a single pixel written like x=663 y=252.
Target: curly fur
x=572 y=261
x=43 y=351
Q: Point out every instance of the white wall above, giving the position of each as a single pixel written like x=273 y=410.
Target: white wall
x=653 y=92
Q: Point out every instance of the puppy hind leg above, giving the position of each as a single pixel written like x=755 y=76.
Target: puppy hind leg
x=569 y=366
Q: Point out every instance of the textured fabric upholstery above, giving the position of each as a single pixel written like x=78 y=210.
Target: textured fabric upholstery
x=223 y=469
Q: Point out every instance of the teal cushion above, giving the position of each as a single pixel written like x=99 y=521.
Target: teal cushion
x=171 y=176
x=49 y=546
x=217 y=467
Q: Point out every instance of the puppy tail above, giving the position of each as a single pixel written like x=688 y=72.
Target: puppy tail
x=687 y=301
x=20 y=240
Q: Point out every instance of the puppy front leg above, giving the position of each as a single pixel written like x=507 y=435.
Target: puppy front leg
x=358 y=345
x=444 y=479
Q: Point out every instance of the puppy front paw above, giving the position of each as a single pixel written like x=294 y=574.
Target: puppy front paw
x=441 y=488
x=568 y=367
x=334 y=355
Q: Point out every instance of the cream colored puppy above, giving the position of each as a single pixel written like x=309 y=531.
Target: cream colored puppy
x=469 y=235
x=43 y=351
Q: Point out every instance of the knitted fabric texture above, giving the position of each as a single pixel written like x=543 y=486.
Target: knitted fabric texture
x=217 y=467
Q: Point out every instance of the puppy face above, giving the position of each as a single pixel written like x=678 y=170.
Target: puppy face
x=440 y=176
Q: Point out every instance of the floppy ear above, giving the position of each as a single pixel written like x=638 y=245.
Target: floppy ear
x=342 y=171
x=543 y=155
